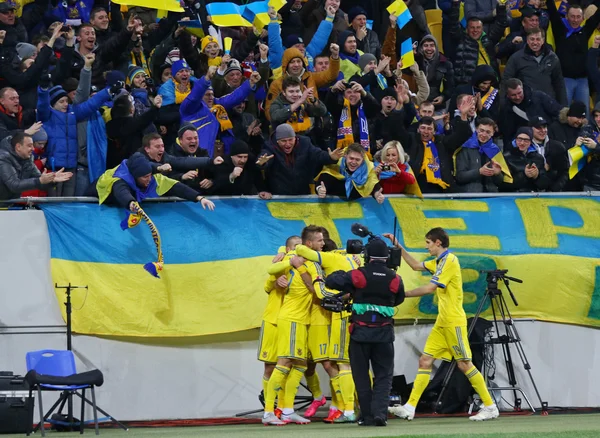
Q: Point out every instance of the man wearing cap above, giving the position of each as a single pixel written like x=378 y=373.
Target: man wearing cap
x=209 y=114
x=523 y=104
x=538 y=67
x=554 y=153
x=16 y=28
x=294 y=64
x=180 y=86
x=526 y=165
x=516 y=39
x=295 y=162
x=133 y=181
x=567 y=128
x=375 y=290
x=367 y=41
x=239 y=174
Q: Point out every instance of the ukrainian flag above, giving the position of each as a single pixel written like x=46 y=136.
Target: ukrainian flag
x=194 y=27
x=277 y=4
x=400 y=10
x=577 y=159
x=407 y=54
x=166 y=5
x=226 y=15
x=257 y=14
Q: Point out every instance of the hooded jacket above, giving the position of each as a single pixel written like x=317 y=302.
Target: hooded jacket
x=541 y=72
x=481 y=74
x=308 y=79
x=16 y=174
x=467 y=49
x=438 y=70
x=517 y=161
x=561 y=131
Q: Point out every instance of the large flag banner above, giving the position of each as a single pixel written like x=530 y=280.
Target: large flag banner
x=215 y=263
x=165 y=5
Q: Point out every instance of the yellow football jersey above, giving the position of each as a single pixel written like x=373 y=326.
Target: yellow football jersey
x=297 y=301
x=274 y=300
x=330 y=262
x=318 y=315
x=448 y=279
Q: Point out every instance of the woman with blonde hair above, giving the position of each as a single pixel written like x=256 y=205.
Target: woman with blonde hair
x=395 y=175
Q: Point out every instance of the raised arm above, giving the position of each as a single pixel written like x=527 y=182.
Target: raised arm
x=410 y=260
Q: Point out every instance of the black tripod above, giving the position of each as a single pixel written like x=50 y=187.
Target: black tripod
x=501 y=315
x=66 y=397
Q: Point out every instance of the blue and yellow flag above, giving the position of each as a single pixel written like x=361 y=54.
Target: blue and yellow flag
x=226 y=15
x=194 y=27
x=277 y=4
x=577 y=159
x=406 y=53
x=400 y=10
x=166 y=5
x=257 y=14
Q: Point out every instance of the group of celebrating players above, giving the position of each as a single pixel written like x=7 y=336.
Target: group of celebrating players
x=297 y=333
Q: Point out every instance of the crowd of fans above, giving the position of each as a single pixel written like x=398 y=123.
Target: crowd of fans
x=317 y=101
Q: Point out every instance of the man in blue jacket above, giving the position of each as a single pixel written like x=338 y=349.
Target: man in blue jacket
x=209 y=114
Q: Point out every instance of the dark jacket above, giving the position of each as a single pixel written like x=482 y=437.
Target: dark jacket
x=439 y=72
x=292 y=174
x=593 y=71
x=517 y=161
x=544 y=74
x=280 y=111
x=467 y=49
x=122 y=195
x=125 y=136
x=535 y=104
x=203 y=172
x=384 y=128
x=506 y=48
x=481 y=73
x=572 y=51
x=589 y=176
x=557 y=159
x=179 y=165
x=468 y=161
x=369 y=44
x=562 y=132
x=250 y=182
x=16 y=174
x=446 y=146
x=312 y=13
x=21 y=121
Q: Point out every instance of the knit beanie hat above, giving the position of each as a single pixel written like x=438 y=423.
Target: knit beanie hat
x=365 y=59
x=178 y=66
x=56 y=93
x=284 y=131
x=70 y=84
x=114 y=76
x=239 y=147
x=41 y=135
x=139 y=165
x=577 y=109
x=133 y=71
x=206 y=41
x=25 y=50
x=525 y=130
x=389 y=91
x=233 y=65
x=292 y=40
x=184 y=128
x=355 y=12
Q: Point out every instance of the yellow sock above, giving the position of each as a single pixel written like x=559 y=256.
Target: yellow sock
x=314 y=385
x=291 y=386
x=421 y=382
x=265 y=385
x=347 y=389
x=335 y=402
x=276 y=382
x=281 y=397
x=478 y=384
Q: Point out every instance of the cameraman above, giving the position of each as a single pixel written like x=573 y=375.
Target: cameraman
x=375 y=291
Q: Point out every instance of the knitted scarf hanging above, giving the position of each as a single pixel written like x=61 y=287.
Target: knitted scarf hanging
x=142 y=63
x=487 y=100
x=181 y=95
x=133 y=219
x=222 y=117
x=431 y=165
x=345 y=136
x=299 y=121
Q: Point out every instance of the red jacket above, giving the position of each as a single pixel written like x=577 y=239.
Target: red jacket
x=397 y=183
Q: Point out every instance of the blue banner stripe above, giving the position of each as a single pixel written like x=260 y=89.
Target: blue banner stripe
x=244 y=228
x=215 y=9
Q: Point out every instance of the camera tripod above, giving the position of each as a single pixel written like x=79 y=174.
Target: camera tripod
x=502 y=317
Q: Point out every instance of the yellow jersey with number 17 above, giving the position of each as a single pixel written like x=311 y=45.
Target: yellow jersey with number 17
x=449 y=292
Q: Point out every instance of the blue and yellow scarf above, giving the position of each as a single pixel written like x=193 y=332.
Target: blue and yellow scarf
x=570 y=30
x=431 y=165
x=345 y=135
x=363 y=179
x=490 y=150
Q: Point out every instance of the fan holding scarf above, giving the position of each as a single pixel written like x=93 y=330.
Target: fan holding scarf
x=431 y=155
x=353 y=177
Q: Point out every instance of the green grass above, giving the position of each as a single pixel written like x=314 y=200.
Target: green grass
x=552 y=426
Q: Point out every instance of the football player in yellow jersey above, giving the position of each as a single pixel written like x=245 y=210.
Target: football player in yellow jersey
x=267 y=344
x=448 y=339
x=338 y=365
x=292 y=323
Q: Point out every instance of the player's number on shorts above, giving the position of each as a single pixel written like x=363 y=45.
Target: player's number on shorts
x=322 y=348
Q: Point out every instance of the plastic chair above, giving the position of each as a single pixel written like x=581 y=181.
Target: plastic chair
x=54 y=370
x=434 y=21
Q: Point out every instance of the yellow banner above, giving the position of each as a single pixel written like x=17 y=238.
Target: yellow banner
x=213 y=278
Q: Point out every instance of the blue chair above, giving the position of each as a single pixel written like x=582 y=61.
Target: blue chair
x=54 y=370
